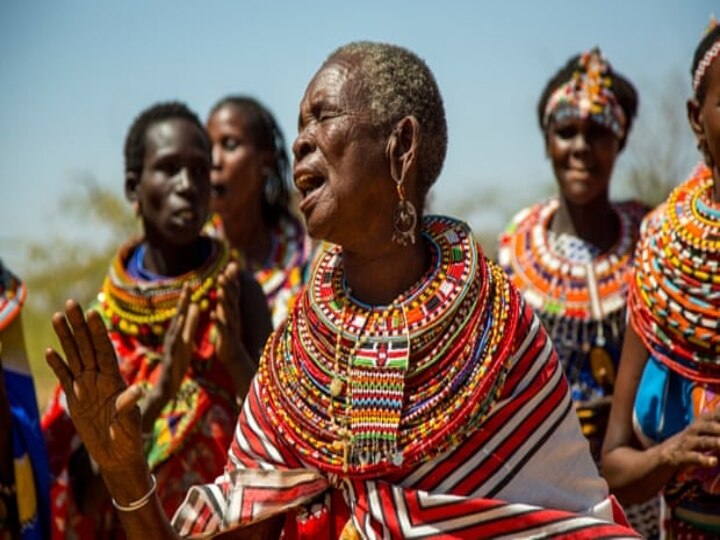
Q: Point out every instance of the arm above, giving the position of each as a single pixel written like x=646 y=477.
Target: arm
x=108 y=421
x=635 y=474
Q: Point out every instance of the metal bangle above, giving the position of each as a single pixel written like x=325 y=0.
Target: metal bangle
x=142 y=501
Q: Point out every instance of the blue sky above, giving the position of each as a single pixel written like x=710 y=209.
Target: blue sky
x=74 y=74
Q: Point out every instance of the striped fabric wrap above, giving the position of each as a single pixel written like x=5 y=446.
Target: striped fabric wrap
x=523 y=470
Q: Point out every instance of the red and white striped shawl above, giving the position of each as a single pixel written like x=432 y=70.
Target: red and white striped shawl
x=526 y=472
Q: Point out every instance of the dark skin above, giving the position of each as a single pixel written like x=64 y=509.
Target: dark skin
x=172 y=194
x=240 y=168
x=583 y=155
x=338 y=159
x=633 y=473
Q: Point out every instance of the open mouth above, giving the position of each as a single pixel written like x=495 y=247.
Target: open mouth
x=218 y=190
x=308 y=183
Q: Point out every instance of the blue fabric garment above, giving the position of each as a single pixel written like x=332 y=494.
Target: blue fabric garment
x=28 y=443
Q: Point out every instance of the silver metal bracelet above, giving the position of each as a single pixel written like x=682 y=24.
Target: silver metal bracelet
x=142 y=501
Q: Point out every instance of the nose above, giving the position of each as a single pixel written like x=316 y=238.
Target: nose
x=303 y=145
x=184 y=181
x=216 y=156
x=580 y=142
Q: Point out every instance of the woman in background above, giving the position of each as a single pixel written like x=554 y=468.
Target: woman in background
x=186 y=326
x=251 y=198
x=571 y=255
x=24 y=478
x=664 y=430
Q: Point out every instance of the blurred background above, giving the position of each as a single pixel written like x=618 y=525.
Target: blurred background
x=75 y=73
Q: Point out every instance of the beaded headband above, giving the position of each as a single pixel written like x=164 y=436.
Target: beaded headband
x=711 y=54
x=588 y=94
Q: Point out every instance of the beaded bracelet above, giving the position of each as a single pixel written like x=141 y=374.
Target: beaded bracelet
x=142 y=501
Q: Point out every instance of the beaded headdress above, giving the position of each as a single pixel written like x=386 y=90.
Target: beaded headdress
x=588 y=94
x=711 y=54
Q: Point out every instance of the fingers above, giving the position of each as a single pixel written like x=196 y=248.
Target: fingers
x=67 y=342
x=104 y=350
x=127 y=399
x=191 y=324
x=74 y=314
x=61 y=370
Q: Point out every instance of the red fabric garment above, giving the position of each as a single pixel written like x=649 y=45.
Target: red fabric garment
x=192 y=433
x=527 y=447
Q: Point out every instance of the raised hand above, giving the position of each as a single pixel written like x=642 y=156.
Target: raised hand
x=178 y=349
x=227 y=315
x=101 y=405
x=229 y=345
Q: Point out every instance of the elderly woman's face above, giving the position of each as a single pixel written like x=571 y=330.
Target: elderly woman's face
x=340 y=167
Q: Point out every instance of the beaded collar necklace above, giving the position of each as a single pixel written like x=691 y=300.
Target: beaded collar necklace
x=364 y=390
x=138 y=307
x=12 y=296
x=578 y=298
x=675 y=293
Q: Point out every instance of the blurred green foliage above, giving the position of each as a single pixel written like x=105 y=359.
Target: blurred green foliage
x=62 y=268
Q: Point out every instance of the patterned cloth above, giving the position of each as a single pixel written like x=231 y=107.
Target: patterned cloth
x=521 y=469
x=29 y=457
x=190 y=437
x=284 y=273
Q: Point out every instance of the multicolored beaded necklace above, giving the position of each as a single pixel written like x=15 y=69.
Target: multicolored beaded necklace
x=363 y=390
x=675 y=293
x=579 y=294
x=145 y=308
x=12 y=296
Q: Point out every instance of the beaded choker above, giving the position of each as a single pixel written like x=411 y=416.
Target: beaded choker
x=578 y=292
x=675 y=293
x=138 y=307
x=12 y=296
x=363 y=390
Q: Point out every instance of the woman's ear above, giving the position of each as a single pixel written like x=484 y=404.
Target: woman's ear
x=402 y=147
x=694 y=112
x=132 y=180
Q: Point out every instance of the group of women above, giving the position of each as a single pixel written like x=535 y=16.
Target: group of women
x=402 y=385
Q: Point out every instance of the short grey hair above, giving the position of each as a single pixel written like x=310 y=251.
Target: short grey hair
x=398 y=84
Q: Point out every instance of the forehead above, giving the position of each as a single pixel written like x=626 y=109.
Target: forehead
x=337 y=79
x=174 y=135
x=229 y=115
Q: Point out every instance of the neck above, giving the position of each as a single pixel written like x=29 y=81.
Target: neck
x=251 y=236
x=716 y=185
x=595 y=222
x=379 y=278
x=167 y=260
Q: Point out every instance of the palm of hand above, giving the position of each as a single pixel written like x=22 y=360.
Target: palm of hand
x=93 y=406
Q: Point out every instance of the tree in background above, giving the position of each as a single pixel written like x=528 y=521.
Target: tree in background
x=62 y=268
x=660 y=150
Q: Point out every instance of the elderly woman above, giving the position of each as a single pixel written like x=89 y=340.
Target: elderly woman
x=570 y=255
x=186 y=326
x=251 y=199
x=411 y=392
x=664 y=430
